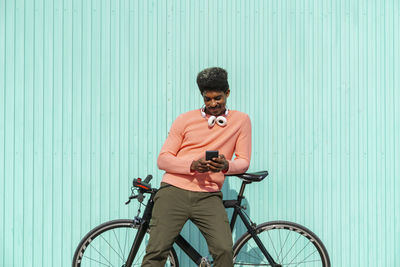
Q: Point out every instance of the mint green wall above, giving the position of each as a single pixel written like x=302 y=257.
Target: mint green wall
x=88 y=90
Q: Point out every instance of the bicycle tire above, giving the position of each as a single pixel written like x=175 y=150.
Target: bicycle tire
x=102 y=246
x=289 y=244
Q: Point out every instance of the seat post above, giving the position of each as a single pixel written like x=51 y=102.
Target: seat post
x=241 y=192
x=237 y=206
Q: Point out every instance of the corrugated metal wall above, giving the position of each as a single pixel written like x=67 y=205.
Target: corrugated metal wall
x=88 y=90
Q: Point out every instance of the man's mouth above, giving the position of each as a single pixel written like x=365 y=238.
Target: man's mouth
x=214 y=111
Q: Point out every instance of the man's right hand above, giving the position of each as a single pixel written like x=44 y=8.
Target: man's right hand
x=199 y=166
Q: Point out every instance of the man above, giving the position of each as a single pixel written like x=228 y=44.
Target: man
x=191 y=185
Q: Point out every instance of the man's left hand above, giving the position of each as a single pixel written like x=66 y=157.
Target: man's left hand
x=218 y=164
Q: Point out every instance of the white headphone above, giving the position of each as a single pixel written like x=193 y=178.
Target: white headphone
x=220 y=120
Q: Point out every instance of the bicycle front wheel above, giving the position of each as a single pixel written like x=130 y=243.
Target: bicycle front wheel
x=288 y=243
x=109 y=244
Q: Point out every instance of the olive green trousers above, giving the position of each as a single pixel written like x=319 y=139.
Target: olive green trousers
x=172 y=208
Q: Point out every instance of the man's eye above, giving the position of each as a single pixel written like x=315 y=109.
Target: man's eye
x=218 y=98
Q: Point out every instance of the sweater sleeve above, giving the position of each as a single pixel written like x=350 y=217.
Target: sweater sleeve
x=167 y=159
x=242 y=150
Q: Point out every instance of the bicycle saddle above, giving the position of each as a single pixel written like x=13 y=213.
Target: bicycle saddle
x=252 y=177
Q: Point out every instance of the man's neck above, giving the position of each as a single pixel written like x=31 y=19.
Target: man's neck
x=221 y=113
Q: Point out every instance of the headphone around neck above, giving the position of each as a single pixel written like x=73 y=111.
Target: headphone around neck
x=220 y=120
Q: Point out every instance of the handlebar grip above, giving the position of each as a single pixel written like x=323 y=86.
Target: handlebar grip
x=148 y=178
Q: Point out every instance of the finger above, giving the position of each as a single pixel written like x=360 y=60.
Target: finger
x=208 y=162
x=216 y=164
x=219 y=160
x=203 y=169
x=203 y=162
x=214 y=169
x=203 y=166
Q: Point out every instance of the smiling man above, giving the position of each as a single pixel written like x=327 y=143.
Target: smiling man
x=191 y=185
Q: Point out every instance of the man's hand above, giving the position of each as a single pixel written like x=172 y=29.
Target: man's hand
x=200 y=165
x=214 y=165
x=218 y=164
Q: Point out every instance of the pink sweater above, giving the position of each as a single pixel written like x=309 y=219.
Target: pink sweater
x=188 y=140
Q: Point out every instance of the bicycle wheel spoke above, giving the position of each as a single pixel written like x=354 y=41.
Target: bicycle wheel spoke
x=304 y=260
x=284 y=243
x=299 y=252
x=111 y=247
x=272 y=244
x=291 y=247
x=253 y=264
x=101 y=255
x=119 y=246
x=96 y=261
x=297 y=263
x=251 y=256
x=267 y=264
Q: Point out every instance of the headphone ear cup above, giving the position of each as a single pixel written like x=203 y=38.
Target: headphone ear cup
x=211 y=121
x=203 y=114
x=221 y=121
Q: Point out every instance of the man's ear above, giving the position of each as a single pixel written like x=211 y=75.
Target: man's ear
x=227 y=92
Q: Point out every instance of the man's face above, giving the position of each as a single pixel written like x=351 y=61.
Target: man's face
x=215 y=102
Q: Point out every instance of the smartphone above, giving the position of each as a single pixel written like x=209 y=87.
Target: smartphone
x=211 y=154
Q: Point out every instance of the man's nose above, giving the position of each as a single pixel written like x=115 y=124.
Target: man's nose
x=213 y=103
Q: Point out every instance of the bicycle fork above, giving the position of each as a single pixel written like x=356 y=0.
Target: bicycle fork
x=138 y=240
x=144 y=226
x=256 y=239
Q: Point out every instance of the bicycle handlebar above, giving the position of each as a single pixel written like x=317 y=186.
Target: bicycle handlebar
x=144 y=186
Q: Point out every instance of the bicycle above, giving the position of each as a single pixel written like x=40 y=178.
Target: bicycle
x=275 y=243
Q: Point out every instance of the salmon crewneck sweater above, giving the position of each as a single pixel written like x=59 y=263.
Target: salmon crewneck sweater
x=188 y=140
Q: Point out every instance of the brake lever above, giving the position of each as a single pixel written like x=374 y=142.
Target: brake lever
x=130 y=198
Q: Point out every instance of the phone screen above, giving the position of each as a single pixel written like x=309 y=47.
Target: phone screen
x=211 y=154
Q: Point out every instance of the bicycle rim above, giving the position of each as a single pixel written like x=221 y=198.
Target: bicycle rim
x=288 y=243
x=109 y=245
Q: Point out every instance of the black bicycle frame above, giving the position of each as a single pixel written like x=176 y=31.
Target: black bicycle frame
x=144 y=226
x=185 y=245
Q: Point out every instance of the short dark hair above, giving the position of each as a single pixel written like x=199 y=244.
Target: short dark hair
x=213 y=79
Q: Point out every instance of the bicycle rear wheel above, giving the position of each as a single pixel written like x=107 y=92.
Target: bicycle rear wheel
x=289 y=244
x=109 y=244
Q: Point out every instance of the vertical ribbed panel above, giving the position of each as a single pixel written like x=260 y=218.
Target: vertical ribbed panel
x=89 y=89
